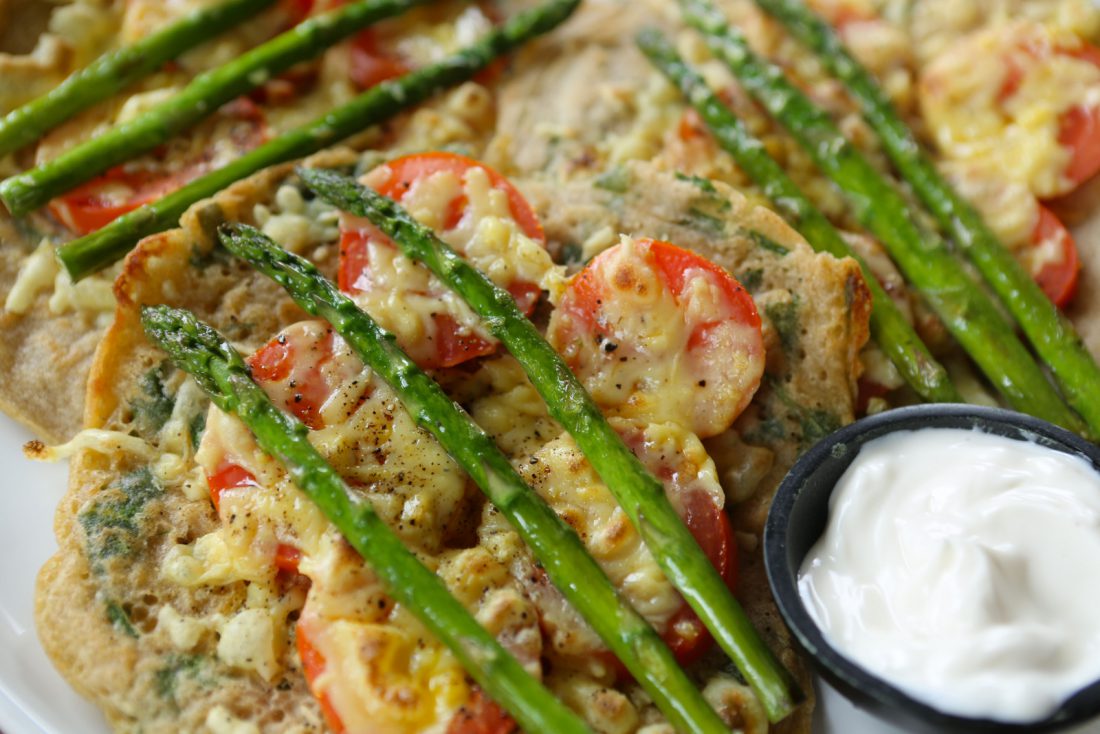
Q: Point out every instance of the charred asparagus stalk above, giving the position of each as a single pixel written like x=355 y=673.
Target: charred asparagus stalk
x=217 y=367
x=638 y=492
x=967 y=312
x=116 y=70
x=893 y=333
x=199 y=99
x=556 y=545
x=1049 y=331
x=85 y=255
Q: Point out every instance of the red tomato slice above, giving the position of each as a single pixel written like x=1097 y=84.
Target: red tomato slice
x=289 y=368
x=452 y=345
x=233 y=476
x=98 y=202
x=1079 y=126
x=686 y=635
x=228 y=476
x=295 y=10
x=313 y=665
x=482 y=715
x=700 y=371
x=1056 y=274
x=370 y=63
x=407 y=170
x=1080 y=132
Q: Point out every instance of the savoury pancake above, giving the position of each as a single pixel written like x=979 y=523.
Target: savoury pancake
x=136 y=493
x=49 y=327
x=598 y=144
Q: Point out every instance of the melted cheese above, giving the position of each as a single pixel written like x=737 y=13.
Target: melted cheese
x=641 y=361
x=512 y=411
x=108 y=443
x=295 y=223
x=1015 y=137
x=35 y=275
x=402 y=296
x=221 y=721
x=562 y=476
x=407 y=682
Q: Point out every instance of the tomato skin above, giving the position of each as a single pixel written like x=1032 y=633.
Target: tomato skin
x=313 y=665
x=122 y=189
x=480 y=715
x=1080 y=132
x=275 y=361
x=452 y=345
x=369 y=65
x=1057 y=279
x=87 y=208
x=1079 y=126
x=710 y=358
x=673 y=263
x=685 y=634
x=228 y=476
x=712 y=529
x=411 y=168
x=233 y=476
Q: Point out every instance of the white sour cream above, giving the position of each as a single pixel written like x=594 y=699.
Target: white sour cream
x=964 y=568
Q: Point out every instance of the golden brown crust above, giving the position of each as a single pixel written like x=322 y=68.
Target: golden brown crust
x=144 y=682
x=76 y=630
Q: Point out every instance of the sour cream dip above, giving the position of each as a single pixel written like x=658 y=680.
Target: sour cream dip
x=963 y=568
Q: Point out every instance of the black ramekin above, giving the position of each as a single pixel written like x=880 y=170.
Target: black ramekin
x=798 y=517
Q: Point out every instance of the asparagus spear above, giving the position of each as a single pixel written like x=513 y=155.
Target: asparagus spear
x=1049 y=331
x=640 y=495
x=217 y=367
x=114 y=71
x=892 y=332
x=556 y=545
x=97 y=250
x=27 y=191
x=969 y=314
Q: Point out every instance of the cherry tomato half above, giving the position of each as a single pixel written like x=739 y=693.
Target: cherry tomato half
x=1052 y=259
x=448 y=344
x=659 y=333
x=99 y=201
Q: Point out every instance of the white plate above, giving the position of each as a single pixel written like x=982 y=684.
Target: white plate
x=33 y=697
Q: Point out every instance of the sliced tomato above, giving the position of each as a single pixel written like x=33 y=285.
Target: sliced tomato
x=296 y=10
x=228 y=476
x=482 y=715
x=233 y=476
x=451 y=344
x=370 y=63
x=408 y=170
x=1053 y=259
x=313 y=665
x=660 y=333
x=1080 y=132
x=1079 y=126
x=99 y=201
x=290 y=368
x=686 y=635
